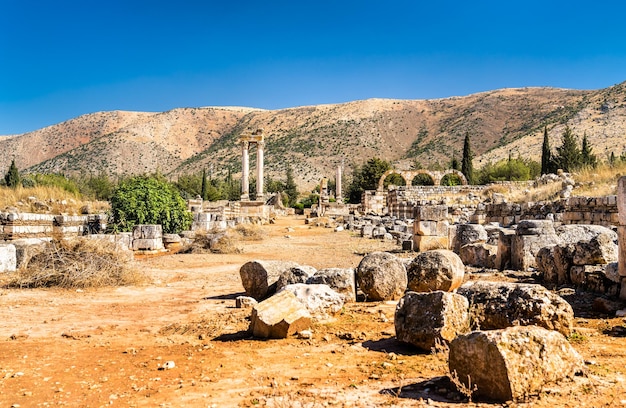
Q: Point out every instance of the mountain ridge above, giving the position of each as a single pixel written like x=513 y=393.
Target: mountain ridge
x=314 y=139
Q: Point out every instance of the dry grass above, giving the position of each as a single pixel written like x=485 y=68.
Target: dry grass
x=600 y=181
x=55 y=199
x=77 y=263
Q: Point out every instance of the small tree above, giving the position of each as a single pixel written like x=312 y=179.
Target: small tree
x=12 y=178
x=290 y=188
x=367 y=178
x=454 y=164
x=203 y=186
x=148 y=200
x=466 y=163
x=546 y=154
x=568 y=156
x=586 y=154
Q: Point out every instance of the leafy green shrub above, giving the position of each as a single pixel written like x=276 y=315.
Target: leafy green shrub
x=509 y=170
x=148 y=200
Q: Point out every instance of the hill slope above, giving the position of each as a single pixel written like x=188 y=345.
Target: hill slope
x=315 y=139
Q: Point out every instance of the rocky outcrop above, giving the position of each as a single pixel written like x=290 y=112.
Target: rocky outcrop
x=381 y=276
x=422 y=319
x=513 y=363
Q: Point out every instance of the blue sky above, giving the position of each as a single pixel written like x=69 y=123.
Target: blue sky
x=61 y=59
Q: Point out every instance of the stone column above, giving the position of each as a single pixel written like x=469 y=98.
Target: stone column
x=245 y=169
x=338 y=194
x=621 y=233
x=259 y=170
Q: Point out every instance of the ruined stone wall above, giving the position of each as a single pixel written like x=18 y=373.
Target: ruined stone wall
x=408 y=194
x=27 y=225
x=573 y=210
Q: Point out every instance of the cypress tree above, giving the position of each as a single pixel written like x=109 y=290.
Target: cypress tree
x=568 y=156
x=612 y=159
x=466 y=163
x=12 y=178
x=587 y=156
x=546 y=155
x=203 y=190
x=454 y=164
x=291 y=189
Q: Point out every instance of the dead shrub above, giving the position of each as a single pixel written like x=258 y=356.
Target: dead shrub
x=214 y=241
x=225 y=242
x=250 y=232
x=77 y=263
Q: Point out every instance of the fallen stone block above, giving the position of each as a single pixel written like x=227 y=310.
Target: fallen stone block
x=423 y=319
x=435 y=270
x=279 y=316
x=524 y=249
x=297 y=274
x=512 y=364
x=8 y=258
x=381 y=276
x=147 y=232
x=341 y=280
x=320 y=300
x=147 y=244
x=245 y=302
x=259 y=277
x=26 y=248
x=497 y=305
x=600 y=249
x=423 y=243
x=469 y=234
x=479 y=254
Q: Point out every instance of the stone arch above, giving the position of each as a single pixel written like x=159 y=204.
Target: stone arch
x=408 y=176
x=381 y=181
x=457 y=173
x=415 y=173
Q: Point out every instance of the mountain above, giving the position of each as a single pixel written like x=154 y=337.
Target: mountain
x=313 y=140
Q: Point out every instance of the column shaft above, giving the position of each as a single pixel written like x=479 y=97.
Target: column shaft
x=259 y=170
x=245 y=169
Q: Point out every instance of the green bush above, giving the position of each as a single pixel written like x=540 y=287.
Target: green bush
x=148 y=200
x=509 y=170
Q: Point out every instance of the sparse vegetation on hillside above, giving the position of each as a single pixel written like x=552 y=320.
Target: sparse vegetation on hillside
x=312 y=140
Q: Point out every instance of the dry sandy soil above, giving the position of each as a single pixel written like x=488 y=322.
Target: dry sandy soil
x=110 y=346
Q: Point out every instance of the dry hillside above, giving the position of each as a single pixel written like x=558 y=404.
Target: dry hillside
x=314 y=139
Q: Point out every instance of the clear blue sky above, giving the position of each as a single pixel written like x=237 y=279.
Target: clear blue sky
x=61 y=59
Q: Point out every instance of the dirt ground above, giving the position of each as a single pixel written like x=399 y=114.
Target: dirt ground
x=178 y=341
